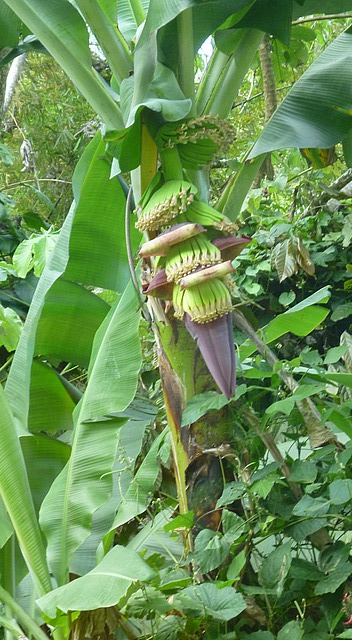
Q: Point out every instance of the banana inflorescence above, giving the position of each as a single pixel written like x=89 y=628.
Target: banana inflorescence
x=191 y=267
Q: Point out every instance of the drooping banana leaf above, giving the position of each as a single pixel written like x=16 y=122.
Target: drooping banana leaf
x=311 y=7
x=71 y=315
x=19 y=374
x=115 y=361
x=130 y=441
x=270 y=16
x=153 y=538
x=64 y=316
x=142 y=487
x=317 y=111
x=85 y=484
x=104 y=586
x=209 y=15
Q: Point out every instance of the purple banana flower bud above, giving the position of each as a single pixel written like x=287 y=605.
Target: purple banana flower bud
x=215 y=342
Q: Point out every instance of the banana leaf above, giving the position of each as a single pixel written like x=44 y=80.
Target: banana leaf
x=91 y=248
x=98 y=254
x=85 y=484
x=10 y=27
x=45 y=458
x=209 y=15
x=130 y=440
x=311 y=7
x=317 y=111
x=104 y=586
x=70 y=318
x=51 y=405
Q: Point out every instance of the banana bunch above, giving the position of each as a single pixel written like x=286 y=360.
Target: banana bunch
x=170 y=200
x=192 y=254
x=198 y=140
x=192 y=267
x=203 y=302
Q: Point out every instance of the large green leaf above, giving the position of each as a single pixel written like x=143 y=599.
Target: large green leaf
x=152 y=538
x=83 y=486
x=86 y=482
x=311 y=7
x=130 y=441
x=209 y=601
x=317 y=111
x=69 y=308
x=45 y=458
x=10 y=328
x=104 y=586
x=69 y=320
x=51 y=405
x=163 y=11
x=160 y=93
x=270 y=16
x=128 y=18
x=98 y=254
x=60 y=28
x=10 y=27
x=115 y=362
x=15 y=492
x=300 y=320
x=19 y=375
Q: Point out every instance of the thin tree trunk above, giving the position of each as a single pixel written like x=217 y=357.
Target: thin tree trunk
x=269 y=88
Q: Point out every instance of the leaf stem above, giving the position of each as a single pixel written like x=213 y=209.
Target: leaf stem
x=109 y=37
x=227 y=87
x=22 y=615
x=12 y=630
x=171 y=164
x=185 y=55
x=137 y=10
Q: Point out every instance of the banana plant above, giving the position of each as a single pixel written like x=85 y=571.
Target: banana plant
x=164 y=129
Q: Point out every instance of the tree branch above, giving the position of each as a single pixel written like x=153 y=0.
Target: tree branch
x=330 y=16
x=318 y=433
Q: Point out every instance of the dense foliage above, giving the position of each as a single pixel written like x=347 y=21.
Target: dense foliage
x=138 y=501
